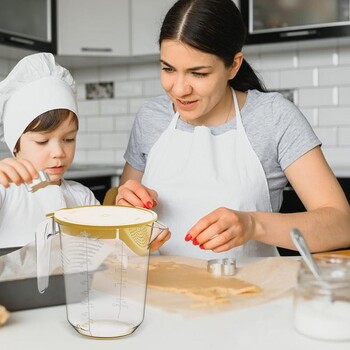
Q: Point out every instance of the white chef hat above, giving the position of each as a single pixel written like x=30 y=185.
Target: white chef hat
x=37 y=84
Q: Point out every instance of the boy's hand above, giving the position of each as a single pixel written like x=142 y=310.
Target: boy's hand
x=18 y=171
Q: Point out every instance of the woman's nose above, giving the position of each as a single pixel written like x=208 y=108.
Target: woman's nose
x=181 y=86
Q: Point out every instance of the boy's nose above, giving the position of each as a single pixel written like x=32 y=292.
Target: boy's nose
x=57 y=151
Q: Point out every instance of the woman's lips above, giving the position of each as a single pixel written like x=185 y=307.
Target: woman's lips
x=186 y=105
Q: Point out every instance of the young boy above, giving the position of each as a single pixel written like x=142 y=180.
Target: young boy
x=38 y=119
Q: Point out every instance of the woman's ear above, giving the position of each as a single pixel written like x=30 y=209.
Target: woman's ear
x=236 y=65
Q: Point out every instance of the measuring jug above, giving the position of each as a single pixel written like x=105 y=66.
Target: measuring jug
x=105 y=254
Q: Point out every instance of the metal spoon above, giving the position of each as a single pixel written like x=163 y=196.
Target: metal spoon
x=304 y=251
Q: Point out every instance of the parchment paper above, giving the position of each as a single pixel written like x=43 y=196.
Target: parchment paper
x=21 y=263
x=276 y=277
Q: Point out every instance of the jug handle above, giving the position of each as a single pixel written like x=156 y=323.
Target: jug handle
x=44 y=231
x=157 y=229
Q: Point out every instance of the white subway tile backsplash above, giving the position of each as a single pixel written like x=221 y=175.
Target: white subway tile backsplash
x=344 y=137
x=344 y=55
x=88 y=107
x=135 y=104
x=296 y=78
x=276 y=61
x=334 y=76
x=81 y=92
x=316 y=57
x=115 y=140
x=100 y=157
x=332 y=116
x=319 y=78
x=128 y=88
x=328 y=136
x=100 y=124
x=114 y=73
x=271 y=79
x=86 y=75
x=80 y=156
x=144 y=71
x=124 y=123
x=88 y=141
x=152 y=87
x=113 y=107
x=344 y=96
x=311 y=115
x=316 y=97
x=337 y=155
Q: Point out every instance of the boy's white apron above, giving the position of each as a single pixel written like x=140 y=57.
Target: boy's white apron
x=196 y=173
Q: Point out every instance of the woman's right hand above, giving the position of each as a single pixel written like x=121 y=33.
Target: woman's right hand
x=18 y=171
x=133 y=193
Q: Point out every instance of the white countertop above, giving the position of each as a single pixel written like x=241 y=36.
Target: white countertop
x=266 y=326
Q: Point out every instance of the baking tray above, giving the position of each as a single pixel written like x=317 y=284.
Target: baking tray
x=23 y=294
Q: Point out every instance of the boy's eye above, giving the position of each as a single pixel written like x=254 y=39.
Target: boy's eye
x=41 y=142
x=70 y=139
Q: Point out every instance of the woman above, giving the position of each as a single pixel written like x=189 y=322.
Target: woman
x=213 y=156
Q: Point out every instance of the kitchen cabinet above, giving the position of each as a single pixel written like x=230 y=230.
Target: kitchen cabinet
x=93 y=27
x=146 y=20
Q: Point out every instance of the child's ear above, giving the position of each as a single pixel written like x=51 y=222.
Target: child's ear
x=15 y=152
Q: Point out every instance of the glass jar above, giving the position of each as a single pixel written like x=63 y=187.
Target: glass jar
x=322 y=308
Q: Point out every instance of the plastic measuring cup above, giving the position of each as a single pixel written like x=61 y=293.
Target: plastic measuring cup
x=105 y=254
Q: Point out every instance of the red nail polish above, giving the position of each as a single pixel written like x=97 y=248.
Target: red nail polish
x=149 y=205
x=195 y=242
x=201 y=246
x=188 y=237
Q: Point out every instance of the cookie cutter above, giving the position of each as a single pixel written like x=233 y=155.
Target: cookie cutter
x=42 y=181
x=222 y=267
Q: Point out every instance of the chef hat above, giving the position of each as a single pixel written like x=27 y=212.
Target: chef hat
x=37 y=84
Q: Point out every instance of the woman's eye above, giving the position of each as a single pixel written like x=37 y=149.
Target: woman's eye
x=167 y=69
x=200 y=75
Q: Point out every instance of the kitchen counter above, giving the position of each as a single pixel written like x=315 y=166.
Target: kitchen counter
x=268 y=326
x=92 y=170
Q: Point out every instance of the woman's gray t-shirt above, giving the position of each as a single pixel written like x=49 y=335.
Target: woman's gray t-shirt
x=278 y=132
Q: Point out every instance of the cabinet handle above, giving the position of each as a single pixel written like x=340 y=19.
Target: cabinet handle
x=96 y=49
x=21 y=41
x=97 y=187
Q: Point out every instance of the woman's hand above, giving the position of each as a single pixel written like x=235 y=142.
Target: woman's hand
x=18 y=171
x=160 y=240
x=222 y=230
x=133 y=193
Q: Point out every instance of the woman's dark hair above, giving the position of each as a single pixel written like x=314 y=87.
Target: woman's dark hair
x=215 y=27
x=48 y=122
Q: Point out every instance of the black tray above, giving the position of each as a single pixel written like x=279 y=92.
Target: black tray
x=23 y=294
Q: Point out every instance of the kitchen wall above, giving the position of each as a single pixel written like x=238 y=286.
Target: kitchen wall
x=319 y=78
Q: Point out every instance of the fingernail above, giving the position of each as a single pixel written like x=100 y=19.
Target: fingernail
x=188 y=237
x=145 y=207
x=195 y=242
x=201 y=246
x=149 y=205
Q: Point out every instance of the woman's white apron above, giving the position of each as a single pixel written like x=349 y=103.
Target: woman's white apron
x=196 y=173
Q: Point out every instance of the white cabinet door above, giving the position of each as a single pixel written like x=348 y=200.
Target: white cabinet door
x=146 y=20
x=93 y=27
